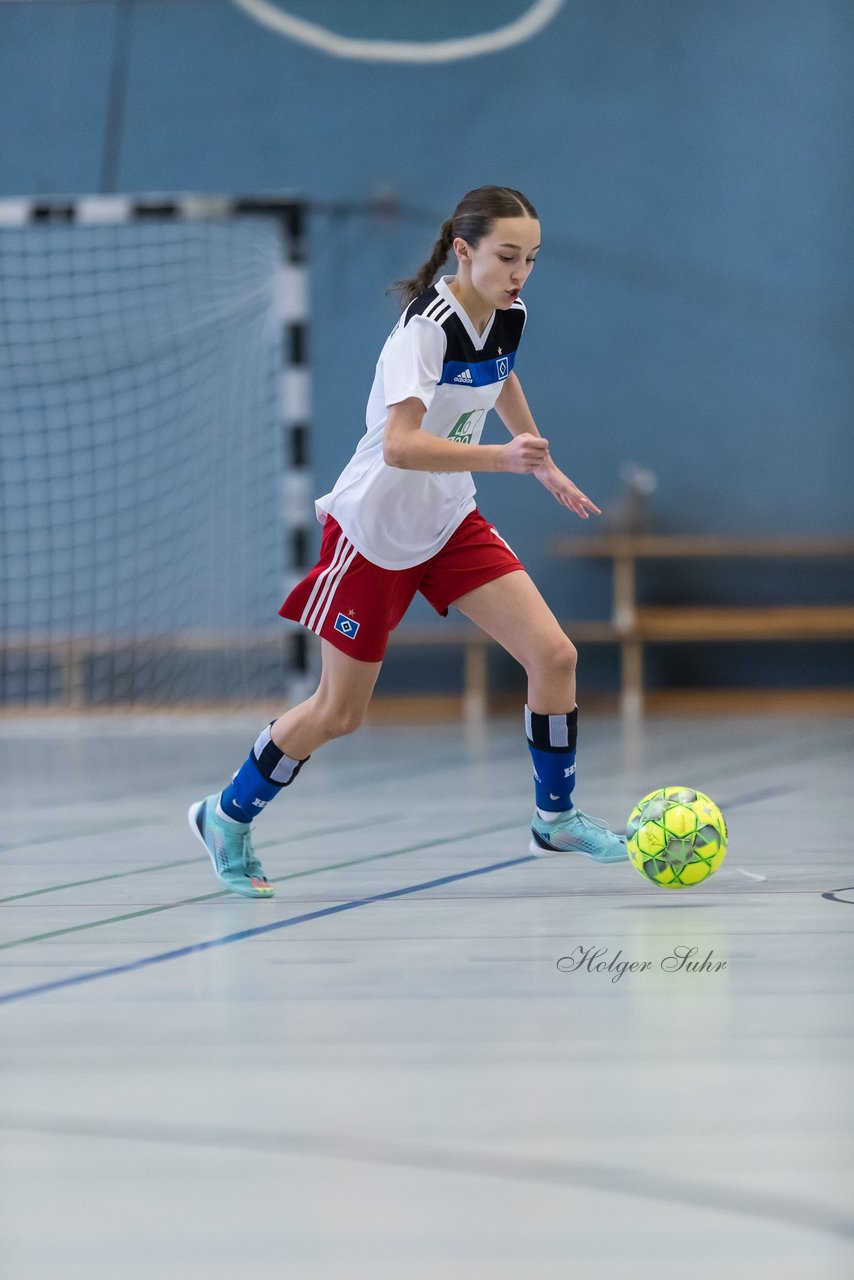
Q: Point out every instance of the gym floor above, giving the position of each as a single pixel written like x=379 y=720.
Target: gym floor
x=397 y=1069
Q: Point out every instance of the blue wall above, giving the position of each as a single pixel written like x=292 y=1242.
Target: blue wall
x=692 y=164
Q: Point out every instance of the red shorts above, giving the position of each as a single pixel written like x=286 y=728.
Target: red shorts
x=355 y=605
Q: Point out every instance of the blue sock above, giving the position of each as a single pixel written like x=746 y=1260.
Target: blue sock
x=551 y=742
x=258 y=780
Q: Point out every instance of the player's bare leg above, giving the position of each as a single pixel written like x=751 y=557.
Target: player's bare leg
x=223 y=822
x=512 y=611
x=337 y=707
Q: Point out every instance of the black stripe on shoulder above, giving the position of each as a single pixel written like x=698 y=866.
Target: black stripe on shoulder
x=419 y=305
x=440 y=311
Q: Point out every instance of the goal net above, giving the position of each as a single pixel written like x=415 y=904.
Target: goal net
x=154 y=498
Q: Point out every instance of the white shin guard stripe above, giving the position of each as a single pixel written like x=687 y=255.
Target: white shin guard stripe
x=558 y=731
x=284 y=770
x=285 y=767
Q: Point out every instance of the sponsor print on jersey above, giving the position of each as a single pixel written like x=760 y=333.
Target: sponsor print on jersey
x=347 y=626
x=478 y=373
x=463 y=429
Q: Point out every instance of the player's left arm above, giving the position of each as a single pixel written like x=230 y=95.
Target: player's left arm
x=514 y=411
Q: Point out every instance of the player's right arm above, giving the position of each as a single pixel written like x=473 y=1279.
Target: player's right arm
x=412 y=364
x=406 y=446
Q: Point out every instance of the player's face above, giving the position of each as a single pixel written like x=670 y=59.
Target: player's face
x=502 y=260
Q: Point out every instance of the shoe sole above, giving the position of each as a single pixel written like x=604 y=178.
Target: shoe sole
x=193 y=819
x=539 y=852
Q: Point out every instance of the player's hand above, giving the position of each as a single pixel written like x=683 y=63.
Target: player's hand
x=564 y=491
x=524 y=454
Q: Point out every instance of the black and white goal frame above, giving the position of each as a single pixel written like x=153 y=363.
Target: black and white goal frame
x=290 y=213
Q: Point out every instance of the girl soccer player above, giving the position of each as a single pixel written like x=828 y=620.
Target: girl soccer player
x=402 y=518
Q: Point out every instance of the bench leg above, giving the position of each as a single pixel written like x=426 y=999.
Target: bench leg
x=73 y=688
x=631 y=678
x=476 y=690
x=625 y=591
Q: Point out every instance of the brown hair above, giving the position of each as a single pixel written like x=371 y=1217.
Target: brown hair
x=471 y=220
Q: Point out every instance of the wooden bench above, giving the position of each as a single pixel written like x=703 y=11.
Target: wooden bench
x=475 y=646
x=634 y=625
x=71 y=653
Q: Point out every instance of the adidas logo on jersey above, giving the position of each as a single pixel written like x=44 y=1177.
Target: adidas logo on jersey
x=465 y=376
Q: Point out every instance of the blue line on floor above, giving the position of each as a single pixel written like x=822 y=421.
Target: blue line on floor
x=163 y=956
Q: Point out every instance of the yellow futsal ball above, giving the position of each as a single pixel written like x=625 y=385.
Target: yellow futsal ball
x=676 y=837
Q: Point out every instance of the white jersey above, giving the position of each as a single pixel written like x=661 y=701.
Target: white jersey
x=399 y=518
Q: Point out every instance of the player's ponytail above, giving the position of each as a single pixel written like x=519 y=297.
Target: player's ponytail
x=471 y=221
x=424 y=276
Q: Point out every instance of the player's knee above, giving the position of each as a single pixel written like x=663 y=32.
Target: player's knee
x=350 y=719
x=339 y=720
x=560 y=657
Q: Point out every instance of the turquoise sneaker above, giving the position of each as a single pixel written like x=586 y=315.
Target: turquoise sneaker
x=575 y=832
x=230 y=847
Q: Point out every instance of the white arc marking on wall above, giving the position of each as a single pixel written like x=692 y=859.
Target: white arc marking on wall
x=523 y=28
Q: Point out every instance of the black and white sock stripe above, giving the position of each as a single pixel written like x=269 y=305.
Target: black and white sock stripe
x=275 y=766
x=552 y=733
